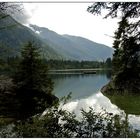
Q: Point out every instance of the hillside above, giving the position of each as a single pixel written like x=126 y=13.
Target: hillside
x=14 y=38
x=53 y=45
x=73 y=47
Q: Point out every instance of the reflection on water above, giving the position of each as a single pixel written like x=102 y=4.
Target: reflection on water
x=86 y=93
x=100 y=103
x=134 y=121
x=97 y=101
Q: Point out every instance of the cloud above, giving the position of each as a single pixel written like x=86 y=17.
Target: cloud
x=26 y=13
x=22 y=17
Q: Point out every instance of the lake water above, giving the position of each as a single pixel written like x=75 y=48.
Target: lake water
x=86 y=93
x=81 y=86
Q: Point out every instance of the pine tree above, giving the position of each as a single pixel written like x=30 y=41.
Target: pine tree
x=126 y=57
x=32 y=73
x=34 y=87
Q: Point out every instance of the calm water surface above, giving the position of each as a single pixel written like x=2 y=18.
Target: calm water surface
x=81 y=86
x=86 y=93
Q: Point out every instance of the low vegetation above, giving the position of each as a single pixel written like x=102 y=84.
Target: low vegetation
x=59 y=123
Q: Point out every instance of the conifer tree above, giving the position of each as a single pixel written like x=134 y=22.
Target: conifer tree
x=34 y=87
x=32 y=73
x=126 y=57
x=127 y=36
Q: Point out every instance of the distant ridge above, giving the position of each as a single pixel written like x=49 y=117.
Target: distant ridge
x=53 y=45
x=73 y=47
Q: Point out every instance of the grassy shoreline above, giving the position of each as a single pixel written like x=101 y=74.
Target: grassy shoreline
x=129 y=102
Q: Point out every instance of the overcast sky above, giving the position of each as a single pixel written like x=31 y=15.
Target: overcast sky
x=72 y=19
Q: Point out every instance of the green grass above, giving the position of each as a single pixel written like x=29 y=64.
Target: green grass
x=129 y=103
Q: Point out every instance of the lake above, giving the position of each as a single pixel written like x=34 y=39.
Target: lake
x=86 y=93
x=81 y=85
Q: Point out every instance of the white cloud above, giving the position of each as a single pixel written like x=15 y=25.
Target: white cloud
x=73 y=19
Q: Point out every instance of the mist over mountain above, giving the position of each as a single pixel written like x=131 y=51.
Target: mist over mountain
x=73 y=47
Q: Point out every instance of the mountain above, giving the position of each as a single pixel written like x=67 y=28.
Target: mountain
x=13 y=38
x=73 y=47
x=53 y=45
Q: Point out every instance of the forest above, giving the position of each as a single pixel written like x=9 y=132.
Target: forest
x=9 y=65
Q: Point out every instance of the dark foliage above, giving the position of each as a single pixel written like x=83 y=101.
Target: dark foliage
x=69 y=64
x=126 y=58
x=33 y=86
x=58 y=123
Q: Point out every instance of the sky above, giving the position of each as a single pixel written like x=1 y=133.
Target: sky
x=72 y=19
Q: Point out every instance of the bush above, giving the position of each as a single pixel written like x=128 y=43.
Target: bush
x=58 y=123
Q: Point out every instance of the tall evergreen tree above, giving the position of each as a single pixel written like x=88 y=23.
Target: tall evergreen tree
x=34 y=87
x=32 y=73
x=126 y=58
